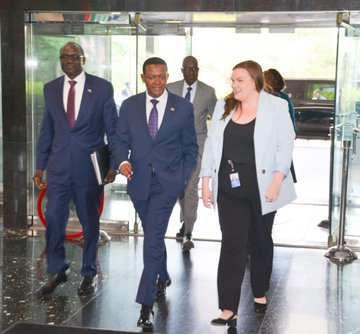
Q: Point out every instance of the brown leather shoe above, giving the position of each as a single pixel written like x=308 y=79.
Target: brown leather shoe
x=187 y=243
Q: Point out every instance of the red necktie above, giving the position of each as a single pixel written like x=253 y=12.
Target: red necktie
x=70 y=110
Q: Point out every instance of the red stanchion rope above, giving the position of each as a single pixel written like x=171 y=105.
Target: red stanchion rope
x=42 y=217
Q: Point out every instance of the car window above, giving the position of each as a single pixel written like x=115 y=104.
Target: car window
x=306 y=90
x=327 y=91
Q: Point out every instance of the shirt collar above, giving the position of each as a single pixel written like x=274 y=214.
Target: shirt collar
x=79 y=78
x=193 y=86
x=162 y=98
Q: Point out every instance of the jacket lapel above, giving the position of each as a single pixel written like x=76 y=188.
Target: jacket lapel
x=262 y=125
x=198 y=95
x=141 y=113
x=169 y=114
x=85 y=99
x=59 y=97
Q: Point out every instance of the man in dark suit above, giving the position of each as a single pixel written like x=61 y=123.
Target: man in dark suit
x=157 y=149
x=203 y=99
x=79 y=111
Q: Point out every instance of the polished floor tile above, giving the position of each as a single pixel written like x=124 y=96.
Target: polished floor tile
x=308 y=294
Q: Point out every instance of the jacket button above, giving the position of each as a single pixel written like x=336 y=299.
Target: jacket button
x=263 y=171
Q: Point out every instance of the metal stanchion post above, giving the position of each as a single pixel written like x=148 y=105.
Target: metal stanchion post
x=326 y=223
x=136 y=224
x=340 y=253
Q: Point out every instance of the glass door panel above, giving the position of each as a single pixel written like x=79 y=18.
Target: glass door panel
x=108 y=56
x=113 y=52
x=346 y=127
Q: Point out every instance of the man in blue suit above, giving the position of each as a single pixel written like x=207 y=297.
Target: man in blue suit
x=157 y=155
x=79 y=111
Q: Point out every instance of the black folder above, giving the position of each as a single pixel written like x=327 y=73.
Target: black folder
x=101 y=162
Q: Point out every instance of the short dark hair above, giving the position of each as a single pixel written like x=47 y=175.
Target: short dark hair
x=154 y=61
x=76 y=45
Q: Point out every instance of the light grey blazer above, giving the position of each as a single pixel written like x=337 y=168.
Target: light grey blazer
x=273 y=140
x=204 y=103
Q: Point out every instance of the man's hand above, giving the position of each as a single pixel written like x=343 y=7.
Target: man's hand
x=110 y=176
x=38 y=179
x=126 y=169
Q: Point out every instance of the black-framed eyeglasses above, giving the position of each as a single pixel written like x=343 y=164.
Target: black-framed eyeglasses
x=190 y=68
x=73 y=57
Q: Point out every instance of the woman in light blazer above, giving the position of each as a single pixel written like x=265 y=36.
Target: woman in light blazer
x=247 y=158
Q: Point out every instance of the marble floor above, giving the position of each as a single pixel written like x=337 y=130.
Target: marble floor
x=308 y=294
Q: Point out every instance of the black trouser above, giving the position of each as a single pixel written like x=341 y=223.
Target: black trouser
x=240 y=218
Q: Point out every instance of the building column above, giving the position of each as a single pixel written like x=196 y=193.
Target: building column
x=14 y=119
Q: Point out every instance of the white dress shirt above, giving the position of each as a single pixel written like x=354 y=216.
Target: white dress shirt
x=192 y=92
x=160 y=106
x=79 y=89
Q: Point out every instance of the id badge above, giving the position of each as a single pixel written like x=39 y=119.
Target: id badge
x=235 y=180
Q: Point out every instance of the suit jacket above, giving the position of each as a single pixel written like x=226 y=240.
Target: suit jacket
x=204 y=103
x=173 y=152
x=273 y=141
x=65 y=152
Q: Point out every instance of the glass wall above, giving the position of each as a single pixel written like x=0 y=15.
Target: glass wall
x=117 y=52
x=347 y=128
x=107 y=56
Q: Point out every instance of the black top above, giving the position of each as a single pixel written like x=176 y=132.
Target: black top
x=239 y=143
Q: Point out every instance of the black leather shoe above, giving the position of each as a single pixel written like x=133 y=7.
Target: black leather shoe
x=52 y=282
x=88 y=285
x=260 y=308
x=181 y=232
x=187 y=243
x=161 y=287
x=146 y=318
x=231 y=322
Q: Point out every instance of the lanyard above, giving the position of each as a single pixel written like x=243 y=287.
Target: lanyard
x=231 y=165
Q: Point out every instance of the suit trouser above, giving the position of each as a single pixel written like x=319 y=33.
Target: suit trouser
x=86 y=200
x=154 y=214
x=240 y=218
x=189 y=200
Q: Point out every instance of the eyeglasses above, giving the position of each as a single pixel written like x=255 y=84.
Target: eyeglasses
x=72 y=57
x=190 y=68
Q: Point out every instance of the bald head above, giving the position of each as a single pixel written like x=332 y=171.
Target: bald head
x=190 y=69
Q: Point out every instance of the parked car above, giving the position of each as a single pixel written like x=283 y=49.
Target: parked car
x=314 y=121
x=313 y=101
x=311 y=91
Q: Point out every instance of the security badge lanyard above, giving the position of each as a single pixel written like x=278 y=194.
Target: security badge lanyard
x=234 y=176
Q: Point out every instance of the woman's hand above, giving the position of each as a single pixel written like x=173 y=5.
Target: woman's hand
x=272 y=192
x=206 y=193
